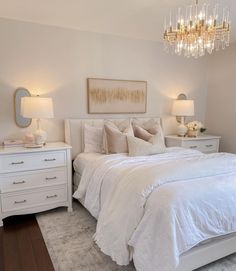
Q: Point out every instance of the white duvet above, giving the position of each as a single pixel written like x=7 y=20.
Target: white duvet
x=152 y=209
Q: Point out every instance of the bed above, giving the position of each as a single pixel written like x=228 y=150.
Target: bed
x=198 y=253
x=79 y=164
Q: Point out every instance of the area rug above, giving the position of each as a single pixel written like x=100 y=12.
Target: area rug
x=68 y=237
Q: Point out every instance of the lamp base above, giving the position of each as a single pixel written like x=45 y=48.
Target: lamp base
x=182 y=130
x=40 y=137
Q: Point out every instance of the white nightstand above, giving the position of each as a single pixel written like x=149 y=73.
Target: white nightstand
x=35 y=180
x=203 y=143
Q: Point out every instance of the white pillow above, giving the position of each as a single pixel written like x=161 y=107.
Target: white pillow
x=93 y=139
x=139 y=147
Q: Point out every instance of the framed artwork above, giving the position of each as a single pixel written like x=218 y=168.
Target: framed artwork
x=110 y=96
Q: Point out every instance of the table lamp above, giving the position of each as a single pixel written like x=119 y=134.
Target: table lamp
x=37 y=108
x=183 y=108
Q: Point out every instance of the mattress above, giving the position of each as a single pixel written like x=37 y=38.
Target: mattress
x=219 y=238
x=83 y=159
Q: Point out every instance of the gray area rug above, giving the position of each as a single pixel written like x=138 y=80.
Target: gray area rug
x=68 y=237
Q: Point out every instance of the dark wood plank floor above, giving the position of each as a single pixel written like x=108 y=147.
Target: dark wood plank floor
x=22 y=247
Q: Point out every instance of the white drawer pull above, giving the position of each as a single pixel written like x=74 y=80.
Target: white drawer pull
x=17 y=163
x=50 y=160
x=22 y=201
x=21 y=182
x=193 y=147
x=208 y=146
x=53 y=196
x=52 y=178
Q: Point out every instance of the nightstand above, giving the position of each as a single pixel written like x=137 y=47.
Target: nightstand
x=35 y=179
x=203 y=143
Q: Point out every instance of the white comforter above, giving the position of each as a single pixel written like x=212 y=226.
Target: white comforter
x=155 y=208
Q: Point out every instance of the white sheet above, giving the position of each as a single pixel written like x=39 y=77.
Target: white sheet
x=83 y=159
x=147 y=213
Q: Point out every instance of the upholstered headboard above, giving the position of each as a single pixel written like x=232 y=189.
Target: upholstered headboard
x=74 y=131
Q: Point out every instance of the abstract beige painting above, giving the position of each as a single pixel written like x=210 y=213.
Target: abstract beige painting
x=110 y=96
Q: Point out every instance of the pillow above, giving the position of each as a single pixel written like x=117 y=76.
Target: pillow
x=142 y=133
x=120 y=124
x=139 y=147
x=146 y=129
x=93 y=138
x=115 y=139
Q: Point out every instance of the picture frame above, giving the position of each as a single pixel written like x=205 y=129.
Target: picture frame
x=116 y=96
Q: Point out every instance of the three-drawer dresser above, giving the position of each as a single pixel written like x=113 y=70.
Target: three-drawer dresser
x=203 y=143
x=35 y=179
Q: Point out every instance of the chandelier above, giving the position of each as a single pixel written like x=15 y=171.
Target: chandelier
x=197 y=31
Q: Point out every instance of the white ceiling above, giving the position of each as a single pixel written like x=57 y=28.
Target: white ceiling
x=132 y=18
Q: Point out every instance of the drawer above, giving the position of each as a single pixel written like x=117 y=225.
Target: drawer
x=206 y=146
x=210 y=145
x=23 y=162
x=31 y=179
x=29 y=200
x=192 y=144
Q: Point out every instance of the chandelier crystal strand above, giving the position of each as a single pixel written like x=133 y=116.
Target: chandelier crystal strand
x=197 y=30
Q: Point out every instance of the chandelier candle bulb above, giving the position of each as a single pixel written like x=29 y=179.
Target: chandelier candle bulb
x=196 y=11
x=216 y=12
x=206 y=11
x=227 y=16
x=179 y=15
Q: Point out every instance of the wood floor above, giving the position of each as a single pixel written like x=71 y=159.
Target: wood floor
x=22 y=247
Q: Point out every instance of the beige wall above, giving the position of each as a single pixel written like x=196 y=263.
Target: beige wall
x=55 y=62
x=221 y=99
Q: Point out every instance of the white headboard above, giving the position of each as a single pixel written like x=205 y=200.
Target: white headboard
x=74 y=131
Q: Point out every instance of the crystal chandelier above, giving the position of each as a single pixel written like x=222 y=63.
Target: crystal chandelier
x=198 y=31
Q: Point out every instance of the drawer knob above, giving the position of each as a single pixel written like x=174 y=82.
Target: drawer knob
x=210 y=145
x=20 y=182
x=53 y=196
x=193 y=147
x=21 y=201
x=49 y=160
x=17 y=163
x=52 y=178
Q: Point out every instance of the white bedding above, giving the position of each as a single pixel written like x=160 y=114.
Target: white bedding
x=155 y=208
x=76 y=180
x=83 y=159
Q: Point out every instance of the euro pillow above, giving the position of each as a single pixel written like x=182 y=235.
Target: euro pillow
x=116 y=139
x=93 y=139
x=140 y=147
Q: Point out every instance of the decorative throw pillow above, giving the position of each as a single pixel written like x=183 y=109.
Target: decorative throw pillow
x=115 y=140
x=142 y=133
x=147 y=129
x=139 y=147
x=93 y=138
